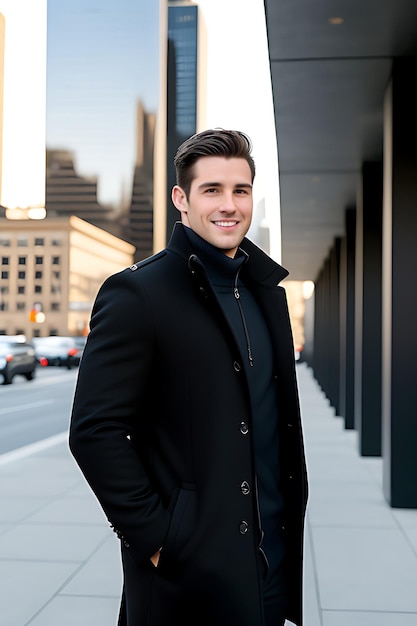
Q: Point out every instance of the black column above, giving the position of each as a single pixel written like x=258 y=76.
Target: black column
x=327 y=325
x=399 y=408
x=368 y=311
x=347 y=319
x=334 y=326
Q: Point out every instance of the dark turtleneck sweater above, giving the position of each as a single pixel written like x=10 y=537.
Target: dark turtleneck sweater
x=252 y=336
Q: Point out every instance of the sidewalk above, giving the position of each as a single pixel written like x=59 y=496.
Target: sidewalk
x=59 y=560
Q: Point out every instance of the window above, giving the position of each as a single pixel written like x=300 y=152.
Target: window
x=38 y=288
x=4 y=289
x=5 y=275
x=56 y=260
x=21 y=289
x=55 y=306
x=22 y=260
x=4 y=306
x=38 y=274
x=22 y=243
x=56 y=275
x=5 y=243
x=55 y=289
x=38 y=260
x=5 y=260
x=39 y=241
x=21 y=306
x=21 y=275
x=56 y=242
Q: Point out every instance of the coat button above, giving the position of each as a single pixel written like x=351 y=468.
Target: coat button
x=244 y=488
x=237 y=366
x=243 y=527
x=244 y=428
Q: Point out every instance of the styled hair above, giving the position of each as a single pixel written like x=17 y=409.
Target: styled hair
x=213 y=142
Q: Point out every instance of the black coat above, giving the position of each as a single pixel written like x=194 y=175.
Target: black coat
x=161 y=428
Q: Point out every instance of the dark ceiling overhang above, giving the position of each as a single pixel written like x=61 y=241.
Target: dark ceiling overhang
x=330 y=66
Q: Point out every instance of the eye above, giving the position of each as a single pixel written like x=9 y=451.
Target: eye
x=211 y=190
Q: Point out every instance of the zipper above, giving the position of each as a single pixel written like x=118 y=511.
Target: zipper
x=242 y=316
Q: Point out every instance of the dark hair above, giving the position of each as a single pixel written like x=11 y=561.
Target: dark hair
x=213 y=142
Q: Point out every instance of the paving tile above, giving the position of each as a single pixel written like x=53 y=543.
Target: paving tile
x=5 y=527
x=43 y=478
x=407 y=518
x=411 y=535
x=26 y=586
x=70 y=511
x=374 y=467
x=16 y=509
x=80 y=489
x=101 y=575
x=365 y=569
x=311 y=606
x=354 y=504
x=51 y=542
x=78 y=611
x=357 y=618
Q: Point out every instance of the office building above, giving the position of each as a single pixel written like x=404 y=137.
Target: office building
x=56 y=266
x=69 y=193
x=138 y=229
x=185 y=86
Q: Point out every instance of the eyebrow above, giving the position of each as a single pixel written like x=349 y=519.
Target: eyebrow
x=237 y=186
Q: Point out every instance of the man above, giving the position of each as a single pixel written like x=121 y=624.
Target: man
x=186 y=420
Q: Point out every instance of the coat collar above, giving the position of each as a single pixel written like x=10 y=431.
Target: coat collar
x=259 y=268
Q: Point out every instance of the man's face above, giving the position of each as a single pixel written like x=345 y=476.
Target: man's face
x=220 y=204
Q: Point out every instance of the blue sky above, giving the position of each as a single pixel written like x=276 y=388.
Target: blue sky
x=102 y=57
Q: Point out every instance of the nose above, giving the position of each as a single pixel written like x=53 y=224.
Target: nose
x=228 y=202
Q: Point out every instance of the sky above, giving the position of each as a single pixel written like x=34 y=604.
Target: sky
x=23 y=123
x=239 y=95
x=100 y=62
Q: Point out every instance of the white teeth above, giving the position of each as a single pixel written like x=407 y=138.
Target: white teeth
x=225 y=224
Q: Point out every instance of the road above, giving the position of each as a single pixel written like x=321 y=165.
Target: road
x=31 y=411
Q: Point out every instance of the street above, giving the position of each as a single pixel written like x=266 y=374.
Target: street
x=34 y=410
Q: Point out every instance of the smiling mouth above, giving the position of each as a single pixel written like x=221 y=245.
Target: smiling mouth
x=226 y=224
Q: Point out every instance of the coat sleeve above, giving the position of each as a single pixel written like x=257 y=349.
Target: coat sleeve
x=109 y=395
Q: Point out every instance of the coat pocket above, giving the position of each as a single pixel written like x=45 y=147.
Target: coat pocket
x=182 y=520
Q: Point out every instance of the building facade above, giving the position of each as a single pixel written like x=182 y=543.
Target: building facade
x=139 y=224
x=54 y=266
x=182 y=91
x=68 y=193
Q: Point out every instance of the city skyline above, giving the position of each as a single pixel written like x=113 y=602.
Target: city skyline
x=84 y=106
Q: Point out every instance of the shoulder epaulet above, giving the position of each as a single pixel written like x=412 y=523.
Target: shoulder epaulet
x=147 y=261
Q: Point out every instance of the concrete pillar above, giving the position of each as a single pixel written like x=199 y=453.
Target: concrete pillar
x=399 y=336
x=347 y=319
x=368 y=296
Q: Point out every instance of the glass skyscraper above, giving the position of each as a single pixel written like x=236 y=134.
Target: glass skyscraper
x=181 y=87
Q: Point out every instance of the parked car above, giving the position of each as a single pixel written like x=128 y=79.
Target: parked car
x=79 y=341
x=56 y=350
x=16 y=357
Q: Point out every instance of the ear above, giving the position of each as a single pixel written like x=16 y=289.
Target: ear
x=179 y=199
